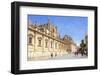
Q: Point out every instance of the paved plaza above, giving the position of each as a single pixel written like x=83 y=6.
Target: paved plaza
x=70 y=56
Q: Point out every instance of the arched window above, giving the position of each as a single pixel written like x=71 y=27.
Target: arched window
x=30 y=40
x=39 y=41
x=30 y=37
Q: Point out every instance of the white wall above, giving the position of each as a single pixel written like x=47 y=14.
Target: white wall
x=5 y=41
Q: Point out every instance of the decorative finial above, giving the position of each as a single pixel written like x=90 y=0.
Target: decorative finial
x=30 y=22
x=35 y=23
x=49 y=22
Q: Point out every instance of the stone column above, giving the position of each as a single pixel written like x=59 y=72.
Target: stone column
x=53 y=47
x=43 y=46
x=34 y=41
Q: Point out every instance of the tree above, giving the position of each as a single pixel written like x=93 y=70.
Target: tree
x=82 y=48
x=86 y=46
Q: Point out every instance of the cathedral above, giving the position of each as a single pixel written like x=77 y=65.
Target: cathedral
x=44 y=42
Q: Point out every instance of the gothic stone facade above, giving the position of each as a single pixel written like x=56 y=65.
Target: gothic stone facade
x=44 y=42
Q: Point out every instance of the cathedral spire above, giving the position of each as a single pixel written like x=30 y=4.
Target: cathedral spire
x=49 y=21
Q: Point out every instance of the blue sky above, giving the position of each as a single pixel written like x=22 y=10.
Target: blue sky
x=74 y=26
